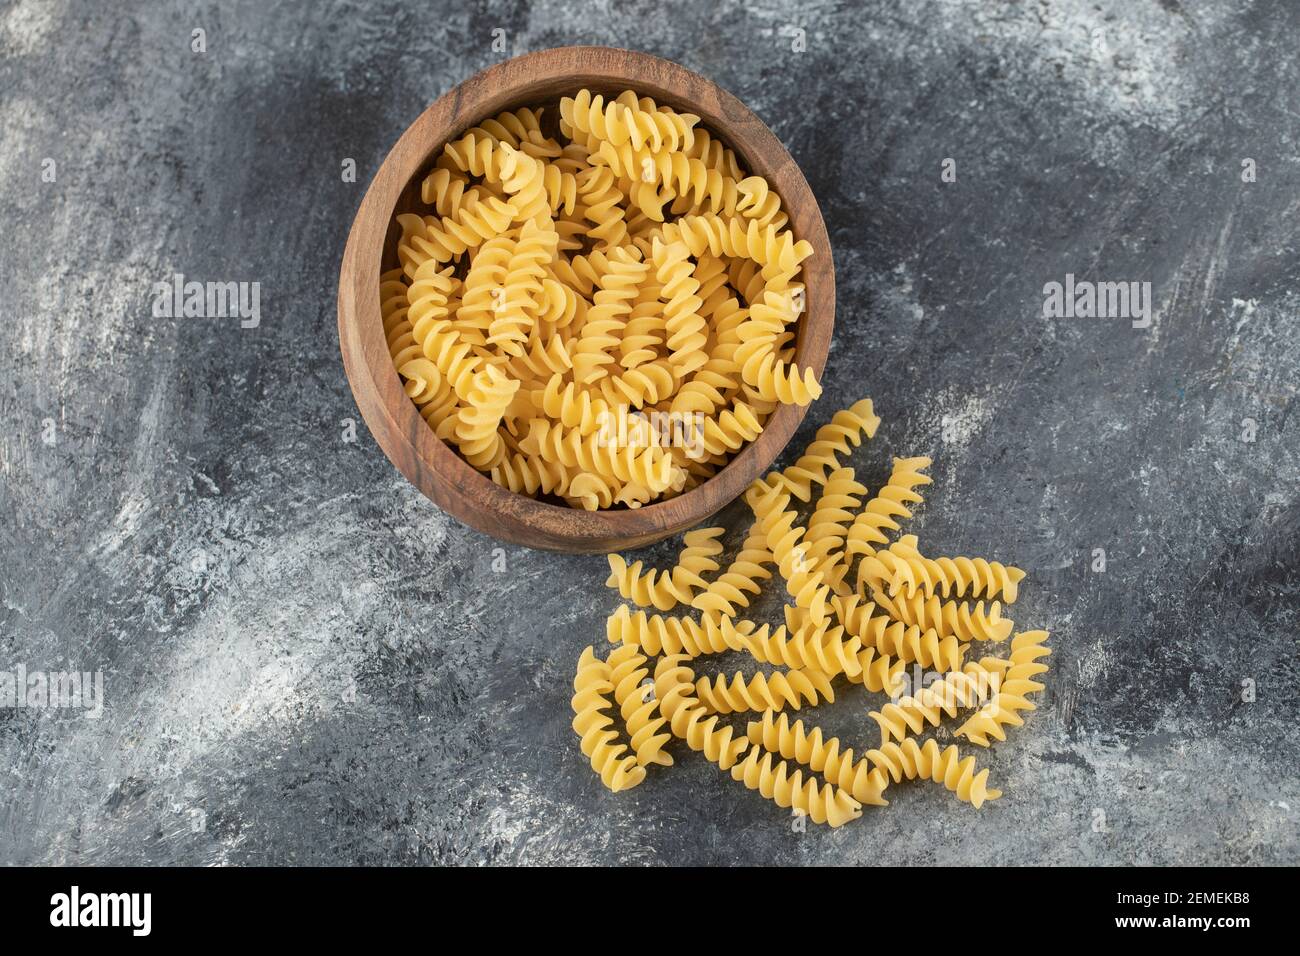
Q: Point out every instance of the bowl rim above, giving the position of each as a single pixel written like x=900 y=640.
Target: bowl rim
x=406 y=439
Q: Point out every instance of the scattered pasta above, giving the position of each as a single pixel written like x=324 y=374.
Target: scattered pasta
x=599 y=305
x=869 y=628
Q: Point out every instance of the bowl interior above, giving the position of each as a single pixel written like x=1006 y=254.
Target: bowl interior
x=541 y=523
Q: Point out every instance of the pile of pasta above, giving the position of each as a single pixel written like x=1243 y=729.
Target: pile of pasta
x=864 y=604
x=620 y=264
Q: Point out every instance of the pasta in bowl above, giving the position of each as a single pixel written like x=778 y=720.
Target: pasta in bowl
x=586 y=300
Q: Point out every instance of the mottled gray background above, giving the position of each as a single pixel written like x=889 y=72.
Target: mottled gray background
x=306 y=662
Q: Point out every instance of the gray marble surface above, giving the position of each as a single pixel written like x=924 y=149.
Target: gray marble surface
x=304 y=661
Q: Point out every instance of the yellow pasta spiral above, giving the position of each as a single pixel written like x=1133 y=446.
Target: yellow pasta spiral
x=638 y=707
x=476 y=430
x=617 y=769
x=688 y=720
x=730 y=589
x=537 y=365
x=513 y=127
x=825 y=804
x=521 y=303
x=475 y=153
x=784 y=537
x=474 y=222
x=523 y=179
x=484 y=287
x=775 y=691
x=445 y=190
x=880 y=673
x=731 y=429
x=602 y=206
x=590 y=491
x=657 y=634
x=907 y=572
x=646 y=588
x=701 y=547
x=737 y=236
x=891 y=502
x=707 y=389
x=1010 y=698
x=964 y=620
x=429 y=297
x=523 y=474
x=649 y=467
x=607 y=317
x=574 y=408
x=780 y=381
x=858 y=778
x=760 y=203
x=687 y=332
x=929 y=705
x=909 y=760
x=644 y=385
x=821 y=648
x=923 y=647
x=828 y=525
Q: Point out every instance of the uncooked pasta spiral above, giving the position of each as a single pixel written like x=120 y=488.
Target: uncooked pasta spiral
x=527 y=475
x=907 y=572
x=646 y=384
x=823 y=649
x=574 y=408
x=964 y=620
x=521 y=303
x=592 y=687
x=689 y=721
x=828 y=525
x=760 y=203
x=890 y=502
x=839 y=436
x=910 y=760
x=732 y=588
x=1010 y=698
x=701 y=548
x=736 y=236
x=476 y=430
x=650 y=467
x=445 y=190
x=923 y=647
x=647 y=588
x=484 y=285
x=858 y=778
x=879 y=673
x=607 y=317
x=523 y=179
x=785 y=539
x=775 y=691
x=602 y=206
x=779 y=381
x=823 y=804
x=429 y=297
x=590 y=491
x=475 y=221
x=665 y=589
x=908 y=642
x=657 y=634
x=687 y=332
x=929 y=705
x=634 y=694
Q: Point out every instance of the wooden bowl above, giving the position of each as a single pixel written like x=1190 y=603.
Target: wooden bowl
x=436 y=469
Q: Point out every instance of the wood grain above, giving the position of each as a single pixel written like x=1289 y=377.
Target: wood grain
x=436 y=469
